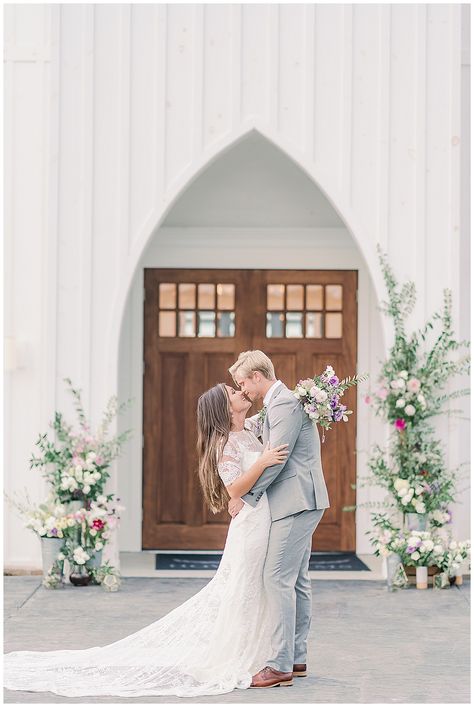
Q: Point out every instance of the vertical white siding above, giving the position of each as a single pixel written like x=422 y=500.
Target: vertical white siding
x=111 y=109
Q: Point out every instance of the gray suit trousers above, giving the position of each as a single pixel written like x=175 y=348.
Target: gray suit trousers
x=288 y=586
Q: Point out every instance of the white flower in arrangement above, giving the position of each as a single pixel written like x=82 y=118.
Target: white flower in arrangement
x=99 y=546
x=61 y=556
x=410 y=410
x=419 y=490
x=394 y=384
x=78 y=468
x=427 y=546
x=101 y=499
x=458 y=558
x=400 y=483
x=401 y=383
x=86 y=488
x=412 y=540
x=403 y=374
x=71 y=522
x=438 y=550
x=415 y=555
x=80 y=556
x=453 y=545
x=406 y=499
x=79 y=473
x=400 y=403
x=91 y=455
x=419 y=506
x=93 y=532
x=301 y=390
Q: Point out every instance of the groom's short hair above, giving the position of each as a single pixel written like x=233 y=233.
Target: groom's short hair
x=250 y=361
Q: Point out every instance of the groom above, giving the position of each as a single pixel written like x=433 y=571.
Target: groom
x=297 y=497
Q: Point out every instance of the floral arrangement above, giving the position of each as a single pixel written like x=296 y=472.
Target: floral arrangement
x=419 y=548
x=76 y=468
x=321 y=396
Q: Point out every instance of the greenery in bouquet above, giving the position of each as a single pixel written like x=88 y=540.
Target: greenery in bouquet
x=76 y=464
x=455 y=554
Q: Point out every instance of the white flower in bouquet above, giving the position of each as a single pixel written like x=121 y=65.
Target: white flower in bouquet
x=101 y=499
x=403 y=374
x=419 y=490
x=301 y=391
x=406 y=499
x=453 y=545
x=438 y=549
x=99 y=546
x=419 y=506
x=415 y=555
x=86 y=488
x=427 y=545
x=410 y=410
x=93 y=532
x=400 y=403
x=400 y=483
x=394 y=384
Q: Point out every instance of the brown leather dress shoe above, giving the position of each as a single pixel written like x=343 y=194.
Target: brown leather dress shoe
x=269 y=677
x=299 y=670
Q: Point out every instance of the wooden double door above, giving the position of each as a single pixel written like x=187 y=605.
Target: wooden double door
x=196 y=322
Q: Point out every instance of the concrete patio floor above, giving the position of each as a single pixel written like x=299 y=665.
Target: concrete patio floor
x=367 y=645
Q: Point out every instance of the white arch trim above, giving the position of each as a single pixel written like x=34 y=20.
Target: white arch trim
x=364 y=242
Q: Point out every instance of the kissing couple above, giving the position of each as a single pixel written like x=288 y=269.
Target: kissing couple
x=248 y=627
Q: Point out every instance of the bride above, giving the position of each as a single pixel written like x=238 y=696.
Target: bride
x=216 y=640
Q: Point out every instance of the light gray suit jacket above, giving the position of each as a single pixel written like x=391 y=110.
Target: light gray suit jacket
x=298 y=483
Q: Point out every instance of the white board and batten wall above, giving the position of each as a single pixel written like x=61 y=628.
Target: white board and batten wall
x=114 y=113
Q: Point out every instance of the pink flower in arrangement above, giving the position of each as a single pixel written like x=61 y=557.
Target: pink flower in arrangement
x=99 y=461
x=382 y=393
x=98 y=524
x=400 y=424
x=368 y=399
x=413 y=385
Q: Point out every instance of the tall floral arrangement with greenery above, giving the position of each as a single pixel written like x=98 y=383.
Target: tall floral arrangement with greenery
x=411 y=389
x=76 y=466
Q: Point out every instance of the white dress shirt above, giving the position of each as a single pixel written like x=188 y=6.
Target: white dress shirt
x=269 y=392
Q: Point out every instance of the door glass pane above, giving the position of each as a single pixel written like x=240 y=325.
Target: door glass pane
x=314 y=297
x=333 y=296
x=314 y=325
x=294 y=325
x=207 y=323
x=226 y=296
x=206 y=296
x=333 y=326
x=167 y=326
x=187 y=296
x=187 y=323
x=275 y=324
x=275 y=296
x=226 y=324
x=294 y=297
x=167 y=295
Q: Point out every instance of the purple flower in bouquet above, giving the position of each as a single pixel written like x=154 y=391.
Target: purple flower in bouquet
x=334 y=380
x=334 y=402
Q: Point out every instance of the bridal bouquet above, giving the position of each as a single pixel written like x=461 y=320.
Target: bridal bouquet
x=321 y=396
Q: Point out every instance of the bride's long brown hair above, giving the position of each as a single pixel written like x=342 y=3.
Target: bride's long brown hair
x=213 y=423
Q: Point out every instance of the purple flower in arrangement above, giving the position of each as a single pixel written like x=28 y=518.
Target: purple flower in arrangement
x=334 y=401
x=54 y=531
x=337 y=414
x=334 y=380
x=411 y=549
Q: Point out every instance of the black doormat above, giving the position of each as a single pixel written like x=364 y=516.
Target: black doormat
x=319 y=561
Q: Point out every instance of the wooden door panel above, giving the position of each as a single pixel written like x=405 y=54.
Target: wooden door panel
x=179 y=368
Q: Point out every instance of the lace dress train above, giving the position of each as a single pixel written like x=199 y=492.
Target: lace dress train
x=209 y=645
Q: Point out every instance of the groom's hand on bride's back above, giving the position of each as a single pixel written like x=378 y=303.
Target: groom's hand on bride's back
x=234 y=506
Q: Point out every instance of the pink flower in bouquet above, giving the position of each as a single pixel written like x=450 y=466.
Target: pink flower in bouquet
x=99 y=460
x=413 y=385
x=98 y=524
x=382 y=393
x=368 y=399
x=400 y=424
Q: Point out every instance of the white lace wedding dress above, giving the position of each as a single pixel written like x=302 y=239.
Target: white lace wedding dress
x=212 y=643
